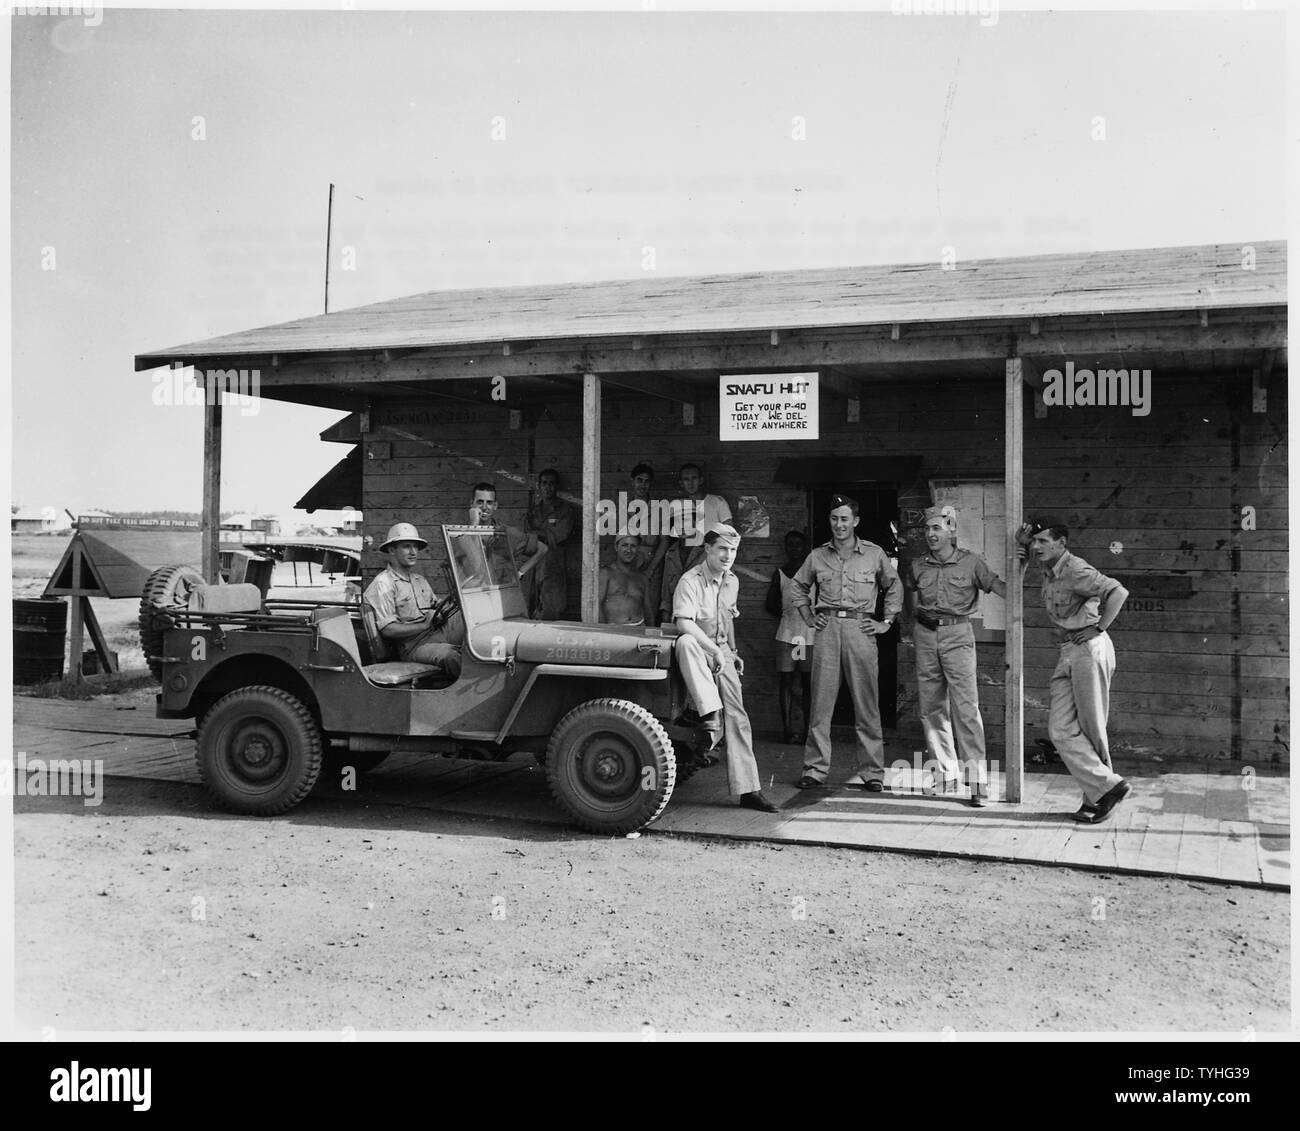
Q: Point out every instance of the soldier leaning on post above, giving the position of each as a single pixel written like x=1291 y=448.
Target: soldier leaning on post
x=1083 y=603
x=704 y=606
x=403 y=602
x=945 y=586
x=653 y=543
x=552 y=520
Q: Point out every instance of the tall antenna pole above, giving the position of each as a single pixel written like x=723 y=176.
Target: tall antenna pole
x=329 y=223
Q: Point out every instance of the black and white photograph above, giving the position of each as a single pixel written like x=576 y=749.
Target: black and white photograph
x=651 y=523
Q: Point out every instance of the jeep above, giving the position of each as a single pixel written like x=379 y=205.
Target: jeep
x=279 y=688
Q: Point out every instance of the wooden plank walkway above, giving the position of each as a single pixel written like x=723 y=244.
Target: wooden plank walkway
x=1214 y=825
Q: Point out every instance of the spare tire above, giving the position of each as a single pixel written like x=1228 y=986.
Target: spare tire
x=167 y=588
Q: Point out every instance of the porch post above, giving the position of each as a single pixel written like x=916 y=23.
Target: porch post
x=1014 y=747
x=590 y=495
x=210 y=566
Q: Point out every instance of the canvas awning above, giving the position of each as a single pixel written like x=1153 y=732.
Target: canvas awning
x=338 y=488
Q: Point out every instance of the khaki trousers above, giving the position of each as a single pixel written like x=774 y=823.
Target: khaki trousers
x=1080 y=706
x=948 y=698
x=721 y=692
x=431 y=648
x=546 y=588
x=844 y=651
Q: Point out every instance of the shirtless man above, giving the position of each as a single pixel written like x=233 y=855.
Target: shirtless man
x=624 y=594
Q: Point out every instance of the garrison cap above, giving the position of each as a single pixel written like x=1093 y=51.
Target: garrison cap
x=623 y=535
x=838 y=501
x=1045 y=522
x=727 y=535
x=945 y=512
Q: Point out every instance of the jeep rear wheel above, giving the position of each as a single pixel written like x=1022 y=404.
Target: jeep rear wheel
x=610 y=764
x=259 y=751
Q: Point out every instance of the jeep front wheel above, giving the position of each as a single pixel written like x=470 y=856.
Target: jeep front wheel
x=259 y=751
x=610 y=764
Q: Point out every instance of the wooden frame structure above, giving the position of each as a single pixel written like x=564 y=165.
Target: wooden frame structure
x=1187 y=309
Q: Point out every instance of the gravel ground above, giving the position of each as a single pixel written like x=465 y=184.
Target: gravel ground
x=153 y=912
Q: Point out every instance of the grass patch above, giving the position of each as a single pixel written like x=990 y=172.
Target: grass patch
x=89 y=688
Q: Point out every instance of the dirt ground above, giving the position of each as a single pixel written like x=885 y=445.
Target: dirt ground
x=154 y=912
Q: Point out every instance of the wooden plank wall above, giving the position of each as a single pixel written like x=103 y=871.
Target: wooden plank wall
x=1205 y=676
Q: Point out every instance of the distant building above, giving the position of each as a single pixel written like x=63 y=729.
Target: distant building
x=38 y=520
x=249 y=527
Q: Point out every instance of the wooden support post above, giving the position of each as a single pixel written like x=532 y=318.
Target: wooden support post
x=78 y=634
x=1014 y=747
x=591 y=496
x=106 y=661
x=210 y=566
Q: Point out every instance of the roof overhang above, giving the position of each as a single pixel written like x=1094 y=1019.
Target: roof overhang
x=1190 y=309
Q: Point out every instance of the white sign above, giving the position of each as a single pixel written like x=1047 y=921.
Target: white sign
x=767 y=406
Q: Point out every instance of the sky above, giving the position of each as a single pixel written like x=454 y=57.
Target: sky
x=170 y=172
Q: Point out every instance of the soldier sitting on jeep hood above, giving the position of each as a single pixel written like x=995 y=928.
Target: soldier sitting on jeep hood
x=404 y=604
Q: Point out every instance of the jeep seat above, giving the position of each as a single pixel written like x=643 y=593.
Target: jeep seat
x=240 y=598
x=386 y=671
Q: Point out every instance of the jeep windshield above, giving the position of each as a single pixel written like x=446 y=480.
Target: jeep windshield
x=481 y=558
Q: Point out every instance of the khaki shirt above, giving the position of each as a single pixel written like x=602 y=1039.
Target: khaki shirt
x=850 y=584
x=951 y=588
x=552 y=524
x=399 y=599
x=523 y=545
x=709 y=600
x=1073 y=591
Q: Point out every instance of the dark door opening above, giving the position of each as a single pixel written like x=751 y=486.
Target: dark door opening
x=877 y=511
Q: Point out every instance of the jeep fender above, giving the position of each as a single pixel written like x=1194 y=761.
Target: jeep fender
x=606 y=675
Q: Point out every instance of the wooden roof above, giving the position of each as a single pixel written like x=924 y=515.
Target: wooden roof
x=116 y=563
x=1206 y=277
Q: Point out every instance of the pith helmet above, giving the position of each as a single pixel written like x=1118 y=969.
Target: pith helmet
x=402 y=532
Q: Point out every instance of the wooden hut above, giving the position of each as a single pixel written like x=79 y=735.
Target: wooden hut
x=945 y=379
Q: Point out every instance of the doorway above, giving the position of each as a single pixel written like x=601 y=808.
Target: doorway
x=877 y=511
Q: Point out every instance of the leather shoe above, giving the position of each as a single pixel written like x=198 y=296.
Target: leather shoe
x=808 y=782
x=1109 y=800
x=757 y=801
x=874 y=786
x=977 y=800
